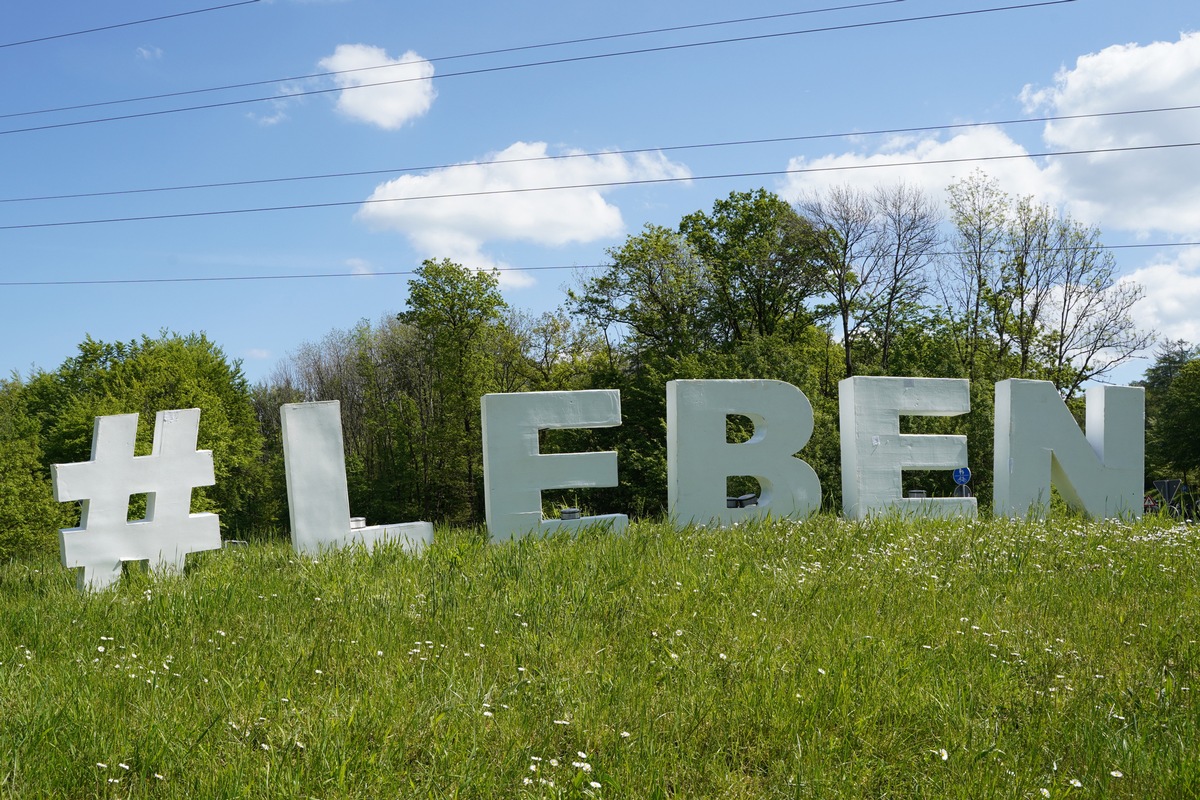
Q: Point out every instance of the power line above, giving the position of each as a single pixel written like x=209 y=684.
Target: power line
x=526 y=65
x=127 y=24
x=596 y=185
x=595 y=154
x=408 y=272
x=439 y=59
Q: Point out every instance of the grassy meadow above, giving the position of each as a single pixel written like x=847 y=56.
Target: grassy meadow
x=822 y=659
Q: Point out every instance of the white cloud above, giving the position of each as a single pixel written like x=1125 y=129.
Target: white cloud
x=1172 y=295
x=277 y=114
x=1142 y=192
x=389 y=106
x=258 y=354
x=1019 y=176
x=149 y=53
x=360 y=266
x=459 y=227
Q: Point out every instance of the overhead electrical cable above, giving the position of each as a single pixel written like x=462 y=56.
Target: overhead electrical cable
x=439 y=59
x=127 y=24
x=595 y=185
x=526 y=65
x=598 y=154
x=407 y=272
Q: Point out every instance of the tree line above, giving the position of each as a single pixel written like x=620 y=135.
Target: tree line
x=843 y=282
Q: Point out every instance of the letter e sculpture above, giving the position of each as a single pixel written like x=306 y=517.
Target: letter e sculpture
x=515 y=472
x=875 y=453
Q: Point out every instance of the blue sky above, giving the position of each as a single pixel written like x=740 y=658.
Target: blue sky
x=1079 y=57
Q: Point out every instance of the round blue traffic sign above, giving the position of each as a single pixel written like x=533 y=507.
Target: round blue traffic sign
x=962 y=476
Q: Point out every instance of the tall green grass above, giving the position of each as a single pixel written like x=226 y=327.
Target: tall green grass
x=821 y=659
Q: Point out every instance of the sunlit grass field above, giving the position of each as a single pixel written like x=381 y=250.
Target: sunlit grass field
x=821 y=659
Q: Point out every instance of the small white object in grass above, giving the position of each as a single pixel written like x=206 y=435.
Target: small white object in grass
x=1116 y=773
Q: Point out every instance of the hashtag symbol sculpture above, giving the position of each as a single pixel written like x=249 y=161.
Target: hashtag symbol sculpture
x=106 y=537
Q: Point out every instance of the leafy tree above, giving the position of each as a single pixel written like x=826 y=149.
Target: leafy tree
x=456 y=314
x=763 y=265
x=147 y=376
x=1170 y=358
x=655 y=295
x=1177 y=423
x=29 y=516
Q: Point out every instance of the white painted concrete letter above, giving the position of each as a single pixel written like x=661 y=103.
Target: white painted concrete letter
x=515 y=473
x=1038 y=444
x=874 y=452
x=318 y=500
x=105 y=537
x=700 y=459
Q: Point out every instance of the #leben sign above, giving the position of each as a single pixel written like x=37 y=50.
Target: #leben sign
x=1037 y=445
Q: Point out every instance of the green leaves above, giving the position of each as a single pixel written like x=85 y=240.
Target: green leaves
x=147 y=376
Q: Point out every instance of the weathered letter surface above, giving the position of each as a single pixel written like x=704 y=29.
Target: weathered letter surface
x=874 y=452
x=700 y=459
x=1039 y=444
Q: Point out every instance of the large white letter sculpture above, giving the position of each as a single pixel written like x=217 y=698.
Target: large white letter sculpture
x=1039 y=444
x=515 y=472
x=105 y=536
x=318 y=499
x=874 y=452
x=700 y=458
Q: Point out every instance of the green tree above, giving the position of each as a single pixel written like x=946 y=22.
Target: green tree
x=1170 y=357
x=654 y=296
x=29 y=516
x=456 y=314
x=147 y=376
x=1177 y=422
x=763 y=262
